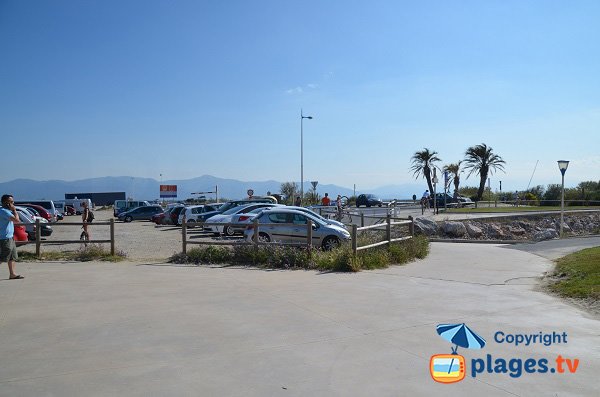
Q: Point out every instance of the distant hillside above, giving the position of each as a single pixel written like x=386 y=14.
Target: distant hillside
x=148 y=189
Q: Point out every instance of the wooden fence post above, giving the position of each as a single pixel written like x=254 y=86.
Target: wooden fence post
x=38 y=238
x=362 y=219
x=112 y=236
x=255 y=236
x=411 y=226
x=388 y=229
x=184 y=235
x=309 y=234
x=354 y=242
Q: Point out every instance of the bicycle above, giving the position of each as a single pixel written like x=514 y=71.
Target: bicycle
x=424 y=204
x=344 y=210
x=84 y=237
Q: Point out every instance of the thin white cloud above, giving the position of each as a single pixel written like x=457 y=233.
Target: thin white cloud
x=297 y=90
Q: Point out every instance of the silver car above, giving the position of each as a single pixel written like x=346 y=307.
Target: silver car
x=225 y=219
x=293 y=228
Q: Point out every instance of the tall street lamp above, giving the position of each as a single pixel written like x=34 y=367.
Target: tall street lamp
x=562 y=166
x=302 y=117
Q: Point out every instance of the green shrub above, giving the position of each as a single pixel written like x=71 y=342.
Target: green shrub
x=286 y=257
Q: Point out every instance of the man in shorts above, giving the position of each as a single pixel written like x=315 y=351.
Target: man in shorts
x=8 y=249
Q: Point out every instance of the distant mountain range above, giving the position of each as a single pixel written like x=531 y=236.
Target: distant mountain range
x=148 y=189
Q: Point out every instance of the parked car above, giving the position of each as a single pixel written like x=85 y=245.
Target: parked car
x=27 y=218
x=193 y=213
x=460 y=201
x=69 y=210
x=230 y=204
x=368 y=200
x=311 y=211
x=293 y=228
x=39 y=211
x=47 y=204
x=225 y=219
x=121 y=206
x=140 y=213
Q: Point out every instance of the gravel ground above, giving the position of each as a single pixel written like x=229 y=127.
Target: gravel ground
x=142 y=241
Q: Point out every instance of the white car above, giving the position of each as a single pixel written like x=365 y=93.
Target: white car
x=194 y=212
x=225 y=219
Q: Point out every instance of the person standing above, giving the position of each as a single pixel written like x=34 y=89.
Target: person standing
x=298 y=202
x=8 y=248
x=326 y=200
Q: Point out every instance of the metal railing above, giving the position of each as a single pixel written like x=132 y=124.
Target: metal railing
x=39 y=242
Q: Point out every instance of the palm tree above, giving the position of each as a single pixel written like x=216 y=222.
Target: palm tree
x=482 y=160
x=423 y=163
x=454 y=170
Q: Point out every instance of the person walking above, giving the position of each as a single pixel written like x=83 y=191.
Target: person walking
x=326 y=200
x=8 y=249
x=85 y=217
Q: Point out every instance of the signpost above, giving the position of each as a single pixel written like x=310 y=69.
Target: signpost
x=250 y=193
x=168 y=191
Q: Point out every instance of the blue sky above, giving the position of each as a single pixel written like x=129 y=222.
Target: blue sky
x=186 y=88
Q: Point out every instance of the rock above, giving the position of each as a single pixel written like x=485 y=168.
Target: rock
x=425 y=226
x=516 y=231
x=455 y=229
x=546 y=234
x=474 y=231
x=494 y=231
x=524 y=225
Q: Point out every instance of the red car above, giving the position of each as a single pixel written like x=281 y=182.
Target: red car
x=40 y=210
x=159 y=218
x=69 y=210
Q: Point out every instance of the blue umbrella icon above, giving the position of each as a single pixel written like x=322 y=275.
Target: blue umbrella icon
x=460 y=335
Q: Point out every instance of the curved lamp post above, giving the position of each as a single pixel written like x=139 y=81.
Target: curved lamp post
x=562 y=166
x=302 y=117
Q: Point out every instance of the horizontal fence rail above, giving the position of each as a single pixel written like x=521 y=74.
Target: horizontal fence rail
x=39 y=242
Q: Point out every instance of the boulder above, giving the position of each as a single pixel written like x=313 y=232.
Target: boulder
x=474 y=231
x=494 y=231
x=425 y=226
x=516 y=231
x=454 y=229
x=546 y=234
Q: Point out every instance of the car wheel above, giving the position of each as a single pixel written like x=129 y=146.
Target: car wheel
x=190 y=223
x=368 y=205
x=128 y=218
x=228 y=230
x=263 y=238
x=379 y=205
x=330 y=243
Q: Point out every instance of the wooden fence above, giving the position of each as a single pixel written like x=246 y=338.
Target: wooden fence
x=389 y=222
x=38 y=235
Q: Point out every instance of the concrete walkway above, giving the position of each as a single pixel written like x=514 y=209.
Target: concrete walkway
x=102 y=329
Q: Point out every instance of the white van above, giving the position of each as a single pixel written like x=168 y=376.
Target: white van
x=126 y=205
x=78 y=204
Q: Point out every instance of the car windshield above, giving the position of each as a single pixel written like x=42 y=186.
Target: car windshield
x=234 y=210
